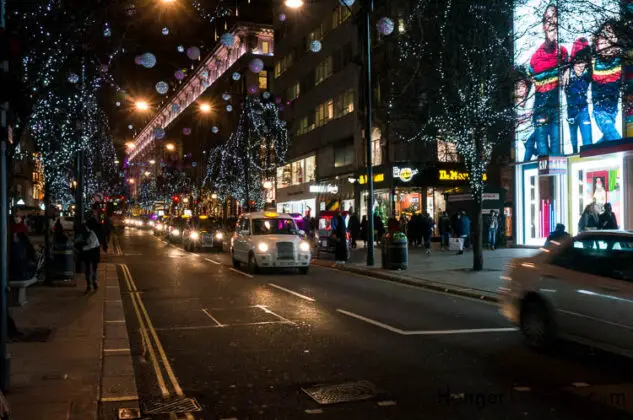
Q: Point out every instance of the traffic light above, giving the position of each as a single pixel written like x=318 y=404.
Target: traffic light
x=176 y=199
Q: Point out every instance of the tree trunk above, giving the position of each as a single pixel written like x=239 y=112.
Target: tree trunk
x=477 y=226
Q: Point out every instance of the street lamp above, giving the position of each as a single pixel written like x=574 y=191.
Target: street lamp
x=130 y=145
x=130 y=181
x=293 y=4
x=152 y=162
x=170 y=147
x=147 y=173
x=168 y=1
x=366 y=9
x=205 y=108
x=141 y=105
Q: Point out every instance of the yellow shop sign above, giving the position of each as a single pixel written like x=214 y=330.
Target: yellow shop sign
x=451 y=175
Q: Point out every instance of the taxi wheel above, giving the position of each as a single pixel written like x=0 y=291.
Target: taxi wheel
x=537 y=325
x=252 y=264
x=303 y=270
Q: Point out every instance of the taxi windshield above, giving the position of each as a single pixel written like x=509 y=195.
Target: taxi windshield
x=208 y=225
x=272 y=226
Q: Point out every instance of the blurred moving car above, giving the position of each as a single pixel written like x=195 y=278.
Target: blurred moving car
x=176 y=229
x=160 y=226
x=580 y=290
x=269 y=240
x=203 y=232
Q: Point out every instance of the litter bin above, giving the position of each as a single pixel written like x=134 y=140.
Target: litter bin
x=395 y=252
x=63 y=262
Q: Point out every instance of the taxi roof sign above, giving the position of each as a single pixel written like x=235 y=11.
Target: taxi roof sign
x=270 y=214
x=203 y=217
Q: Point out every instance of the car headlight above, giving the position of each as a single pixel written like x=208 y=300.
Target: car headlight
x=151 y=223
x=194 y=235
x=219 y=236
x=175 y=232
x=262 y=247
x=304 y=246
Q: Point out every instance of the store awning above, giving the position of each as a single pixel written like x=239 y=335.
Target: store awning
x=607 y=147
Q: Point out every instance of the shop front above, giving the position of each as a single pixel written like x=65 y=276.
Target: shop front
x=296 y=199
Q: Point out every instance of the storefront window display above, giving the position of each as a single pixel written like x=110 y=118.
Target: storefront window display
x=299 y=206
x=381 y=204
x=408 y=202
x=298 y=172
x=597 y=181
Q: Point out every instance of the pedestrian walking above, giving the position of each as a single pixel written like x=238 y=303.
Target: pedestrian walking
x=493 y=227
x=363 y=230
x=354 y=228
x=379 y=228
x=89 y=253
x=427 y=225
x=340 y=238
x=607 y=220
x=445 y=230
x=462 y=230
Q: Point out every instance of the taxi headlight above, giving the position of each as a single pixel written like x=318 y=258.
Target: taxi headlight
x=175 y=232
x=219 y=236
x=194 y=235
x=262 y=247
x=304 y=246
x=151 y=223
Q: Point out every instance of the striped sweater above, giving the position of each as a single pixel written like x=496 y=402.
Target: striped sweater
x=606 y=83
x=544 y=67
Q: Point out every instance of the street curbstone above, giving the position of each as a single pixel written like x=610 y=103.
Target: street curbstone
x=421 y=283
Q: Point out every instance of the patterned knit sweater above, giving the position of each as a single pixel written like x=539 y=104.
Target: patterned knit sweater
x=606 y=83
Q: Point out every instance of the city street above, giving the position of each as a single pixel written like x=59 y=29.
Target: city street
x=245 y=346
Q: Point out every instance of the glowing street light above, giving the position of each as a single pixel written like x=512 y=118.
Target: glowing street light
x=205 y=108
x=116 y=162
x=131 y=145
x=170 y=147
x=141 y=105
x=293 y=4
x=130 y=181
x=147 y=173
x=152 y=162
x=168 y=1
x=214 y=196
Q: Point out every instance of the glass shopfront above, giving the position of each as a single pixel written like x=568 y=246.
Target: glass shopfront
x=596 y=181
x=298 y=206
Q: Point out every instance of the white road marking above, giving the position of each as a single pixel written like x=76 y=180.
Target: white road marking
x=314 y=411
x=268 y=311
x=424 y=332
x=212 y=261
x=209 y=327
x=580 y=384
x=386 y=403
x=120 y=350
x=242 y=273
x=213 y=318
x=119 y=399
x=522 y=388
x=116 y=321
x=309 y=299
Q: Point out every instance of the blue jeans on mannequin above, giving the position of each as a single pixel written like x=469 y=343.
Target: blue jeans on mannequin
x=547 y=137
x=580 y=122
x=606 y=123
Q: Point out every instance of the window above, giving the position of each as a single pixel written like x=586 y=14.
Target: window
x=262 y=79
x=302 y=126
x=298 y=172
x=344 y=103
x=344 y=155
x=244 y=225
x=401 y=26
x=376 y=148
x=606 y=256
x=447 y=152
x=341 y=13
x=293 y=91
x=323 y=70
x=316 y=35
x=284 y=176
x=348 y=54
x=324 y=113
x=265 y=47
x=283 y=64
x=310 y=169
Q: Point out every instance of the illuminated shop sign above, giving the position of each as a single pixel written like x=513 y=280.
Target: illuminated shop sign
x=552 y=165
x=450 y=175
x=377 y=178
x=320 y=189
x=404 y=174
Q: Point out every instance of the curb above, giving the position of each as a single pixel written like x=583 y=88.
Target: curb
x=421 y=283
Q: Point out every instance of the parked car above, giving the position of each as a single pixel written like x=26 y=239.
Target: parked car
x=203 y=232
x=269 y=240
x=580 y=290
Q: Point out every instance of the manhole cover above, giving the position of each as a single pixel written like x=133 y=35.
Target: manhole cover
x=339 y=393
x=177 y=406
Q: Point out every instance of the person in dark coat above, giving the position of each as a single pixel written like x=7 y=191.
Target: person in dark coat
x=354 y=228
x=340 y=237
x=89 y=253
x=558 y=235
x=427 y=225
x=363 y=230
x=589 y=220
x=93 y=225
x=607 y=219
x=379 y=227
x=445 y=230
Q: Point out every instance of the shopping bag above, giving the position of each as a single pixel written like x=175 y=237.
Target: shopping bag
x=455 y=244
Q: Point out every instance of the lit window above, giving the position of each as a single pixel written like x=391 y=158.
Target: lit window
x=293 y=91
x=302 y=126
x=447 y=152
x=344 y=155
x=323 y=70
x=340 y=15
x=401 y=27
x=263 y=79
x=376 y=148
x=310 y=169
x=265 y=47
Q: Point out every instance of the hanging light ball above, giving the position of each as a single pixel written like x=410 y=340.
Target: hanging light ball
x=385 y=26
x=179 y=74
x=282 y=17
x=229 y=108
x=236 y=76
x=252 y=89
x=175 y=107
x=148 y=60
x=266 y=95
x=193 y=53
x=205 y=83
x=256 y=65
x=73 y=78
x=181 y=49
x=205 y=74
x=162 y=87
x=227 y=39
x=186 y=131
x=194 y=164
x=107 y=32
x=130 y=127
x=117 y=103
x=165 y=31
x=348 y=3
x=215 y=129
x=315 y=46
x=159 y=133
x=226 y=96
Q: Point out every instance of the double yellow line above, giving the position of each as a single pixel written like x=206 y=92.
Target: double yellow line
x=152 y=342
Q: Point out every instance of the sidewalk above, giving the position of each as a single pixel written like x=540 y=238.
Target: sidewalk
x=56 y=369
x=443 y=271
